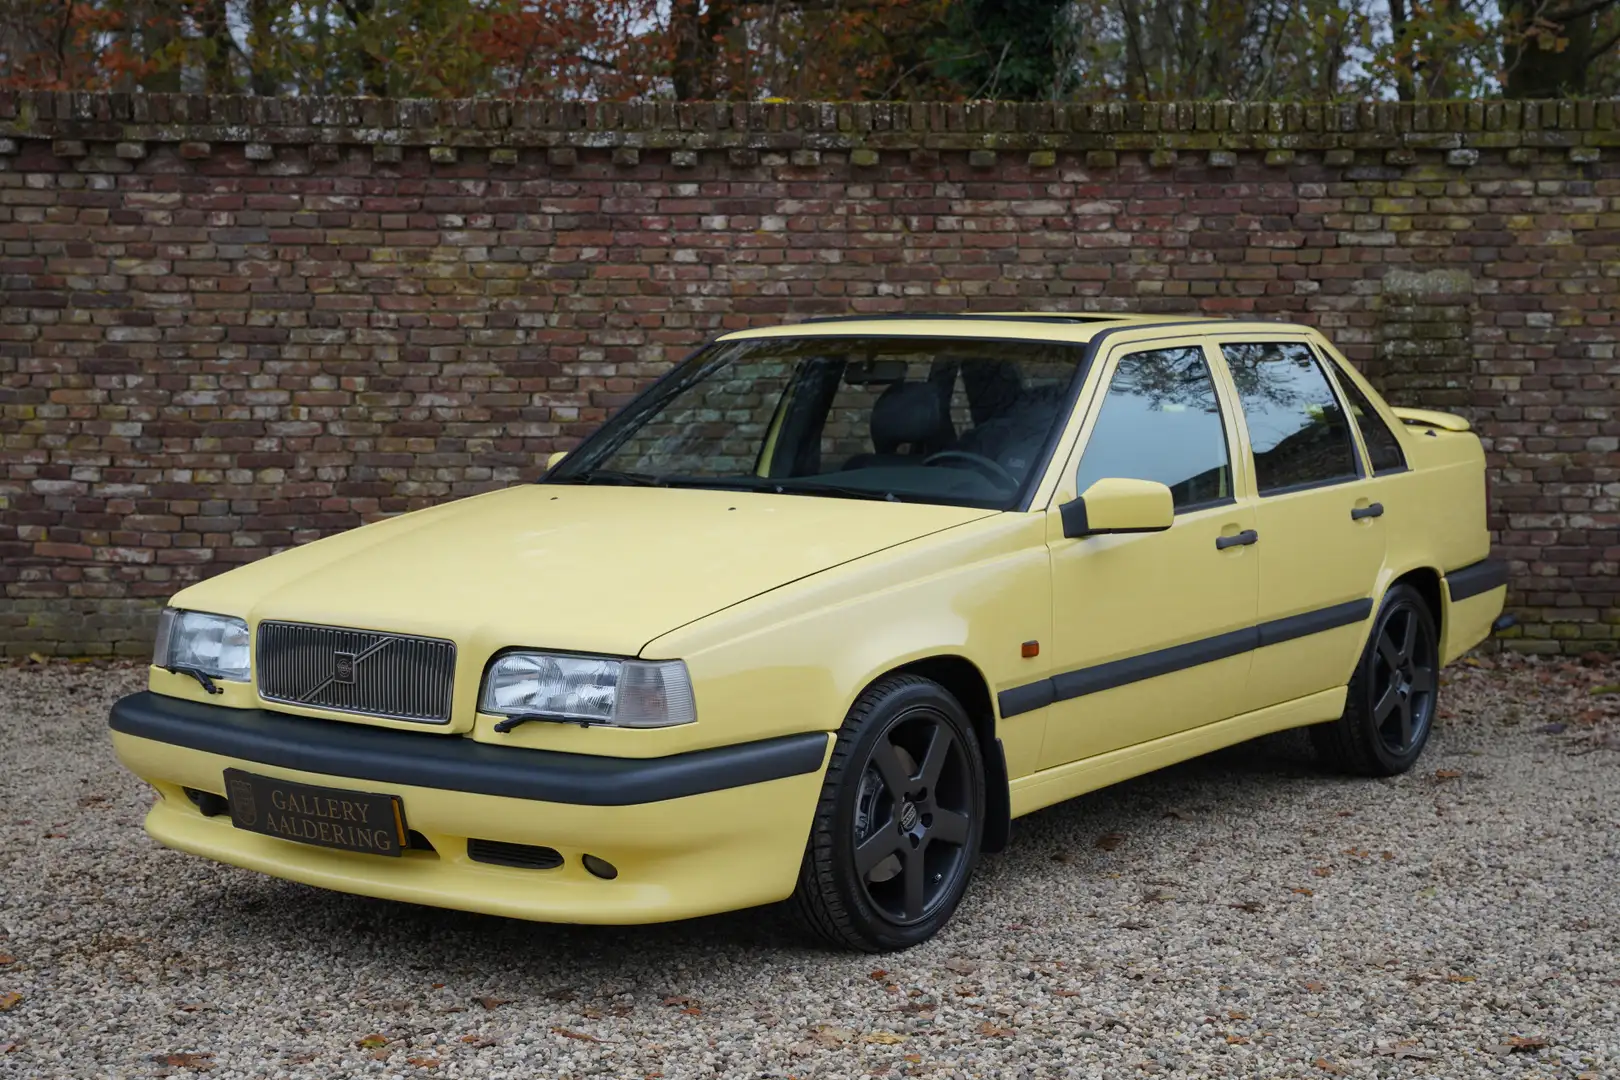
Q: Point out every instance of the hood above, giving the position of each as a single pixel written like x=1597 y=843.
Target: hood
x=588 y=569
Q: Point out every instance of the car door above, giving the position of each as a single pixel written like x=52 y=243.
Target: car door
x=1149 y=629
x=1320 y=539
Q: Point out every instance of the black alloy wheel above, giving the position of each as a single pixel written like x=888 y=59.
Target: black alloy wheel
x=898 y=826
x=1390 y=706
x=1404 y=678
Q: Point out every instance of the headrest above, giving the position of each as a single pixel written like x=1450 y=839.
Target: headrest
x=909 y=414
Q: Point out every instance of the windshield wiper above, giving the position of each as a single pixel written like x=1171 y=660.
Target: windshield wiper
x=196 y=673
x=842 y=491
x=614 y=476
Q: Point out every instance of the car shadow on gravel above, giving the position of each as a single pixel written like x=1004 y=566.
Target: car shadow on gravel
x=268 y=916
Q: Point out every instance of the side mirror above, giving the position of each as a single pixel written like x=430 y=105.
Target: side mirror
x=556 y=456
x=1114 y=505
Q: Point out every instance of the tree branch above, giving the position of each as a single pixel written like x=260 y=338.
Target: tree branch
x=1591 y=7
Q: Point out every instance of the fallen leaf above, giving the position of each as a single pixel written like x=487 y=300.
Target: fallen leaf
x=563 y=994
x=1607 y=688
x=1387 y=856
x=38 y=658
x=1315 y=987
x=680 y=1002
x=692 y=1010
x=1233 y=1040
x=6 y=1048
x=832 y=1036
x=878 y=974
x=1302 y=890
x=1323 y=871
x=1066 y=993
x=492 y=1002
x=1524 y=1044
x=883 y=1038
x=372 y=1042
x=423 y=1062
x=438 y=986
x=1359 y=853
x=993 y=1031
x=7 y=958
x=201 y=1061
x=1460 y=978
x=191 y=1006
x=1234 y=1015
x=1447 y=774
x=961 y=967
x=9 y=1000
x=478 y=1040
x=916 y=1059
x=91 y=800
x=379 y=1055
x=1253 y=907
x=582 y=1036
x=1110 y=841
x=1329 y=1067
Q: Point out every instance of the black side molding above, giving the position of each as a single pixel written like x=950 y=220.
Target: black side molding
x=450 y=763
x=1476 y=578
x=1099 y=677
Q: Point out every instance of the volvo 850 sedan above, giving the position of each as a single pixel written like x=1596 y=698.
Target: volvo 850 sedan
x=819 y=613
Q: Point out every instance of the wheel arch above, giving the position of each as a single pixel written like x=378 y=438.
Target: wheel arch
x=1429 y=584
x=967 y=684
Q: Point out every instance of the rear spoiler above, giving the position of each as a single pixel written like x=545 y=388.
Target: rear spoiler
x=1430 y=419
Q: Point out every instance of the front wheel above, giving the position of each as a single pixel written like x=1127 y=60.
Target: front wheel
x=1390 y=707
x=898 y=826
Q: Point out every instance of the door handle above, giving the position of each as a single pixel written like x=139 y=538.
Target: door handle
x=1371 y=511
x=1246 y=537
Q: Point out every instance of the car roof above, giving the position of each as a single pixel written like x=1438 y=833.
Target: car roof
x=1075 y=326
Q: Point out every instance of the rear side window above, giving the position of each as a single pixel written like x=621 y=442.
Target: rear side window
x=1161 y=421
x=1383 y=449
x=1296 y=425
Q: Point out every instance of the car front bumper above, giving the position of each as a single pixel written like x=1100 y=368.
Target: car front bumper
x=690 y=834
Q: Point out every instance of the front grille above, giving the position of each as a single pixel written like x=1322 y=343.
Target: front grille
x=525 y=856
x=357 y=671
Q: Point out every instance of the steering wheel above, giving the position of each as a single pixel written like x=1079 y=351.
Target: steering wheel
x=990 y=467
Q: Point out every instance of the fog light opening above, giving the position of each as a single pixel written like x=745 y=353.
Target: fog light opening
x=600 y=867
x=210 y=804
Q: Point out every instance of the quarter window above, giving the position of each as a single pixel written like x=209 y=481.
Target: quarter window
x=1161 y=421
x=1383 y=449
x=1296 y=426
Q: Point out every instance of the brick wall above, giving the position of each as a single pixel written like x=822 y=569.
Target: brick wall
x=228 y=326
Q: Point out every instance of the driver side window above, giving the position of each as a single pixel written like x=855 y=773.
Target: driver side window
x=1162 y=421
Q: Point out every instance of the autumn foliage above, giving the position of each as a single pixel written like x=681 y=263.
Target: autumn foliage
x=1301 y=50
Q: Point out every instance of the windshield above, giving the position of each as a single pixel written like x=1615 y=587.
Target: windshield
x=959 y=421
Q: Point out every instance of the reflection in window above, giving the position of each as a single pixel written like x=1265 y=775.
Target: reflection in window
x=1296 y=427
x=1161 y=421
x=1383 y=449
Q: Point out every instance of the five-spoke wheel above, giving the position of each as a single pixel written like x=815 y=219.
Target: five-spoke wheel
x=898 y=826
x=1389 y=708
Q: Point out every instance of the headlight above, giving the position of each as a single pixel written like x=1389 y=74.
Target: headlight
x=215 y=645
x=588 y=690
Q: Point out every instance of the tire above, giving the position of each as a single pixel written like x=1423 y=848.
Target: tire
x=1389 y=710
x=898 y=826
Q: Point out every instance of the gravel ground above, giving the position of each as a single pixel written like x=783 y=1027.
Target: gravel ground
x=1236 y=916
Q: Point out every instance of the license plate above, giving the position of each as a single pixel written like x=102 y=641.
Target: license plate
x=327 y=817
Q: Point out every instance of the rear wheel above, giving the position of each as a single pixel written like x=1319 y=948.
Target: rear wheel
x=1390 y=707
x=899 y=822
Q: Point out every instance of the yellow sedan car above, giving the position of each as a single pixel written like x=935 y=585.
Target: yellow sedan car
x=819 y=613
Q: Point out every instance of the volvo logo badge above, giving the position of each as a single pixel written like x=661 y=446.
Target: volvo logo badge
x=343 y=668
x=908 y=817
